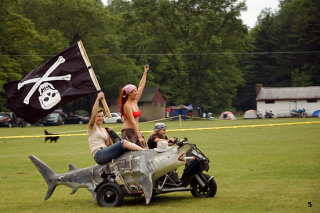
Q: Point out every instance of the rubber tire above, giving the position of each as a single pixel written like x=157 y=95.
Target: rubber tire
x=109 y=195
x=119 y=121
x=9 y=125
x=208 y=191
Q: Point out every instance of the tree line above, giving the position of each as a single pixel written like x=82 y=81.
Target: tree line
x=199 y=51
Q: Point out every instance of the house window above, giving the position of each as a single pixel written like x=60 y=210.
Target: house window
x=162 y=104
x=269 y=101
x=155 y=104
x=311 y=100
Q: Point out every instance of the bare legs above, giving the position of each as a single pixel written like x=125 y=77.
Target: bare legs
x=132 y=146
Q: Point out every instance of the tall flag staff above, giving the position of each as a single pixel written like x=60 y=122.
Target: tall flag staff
x=103 y=100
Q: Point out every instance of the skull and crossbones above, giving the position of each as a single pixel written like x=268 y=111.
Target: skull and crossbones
x=49 y=96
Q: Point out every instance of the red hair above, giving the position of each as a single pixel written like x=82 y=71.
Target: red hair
x=122 y=100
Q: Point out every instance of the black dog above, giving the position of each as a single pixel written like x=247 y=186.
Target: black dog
x=51 y=138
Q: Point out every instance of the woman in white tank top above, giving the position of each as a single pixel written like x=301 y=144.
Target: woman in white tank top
x=100 y=142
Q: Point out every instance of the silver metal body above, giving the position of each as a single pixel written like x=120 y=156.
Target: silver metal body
x=139 y=169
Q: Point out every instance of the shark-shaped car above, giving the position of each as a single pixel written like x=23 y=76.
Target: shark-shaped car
x=137 y=172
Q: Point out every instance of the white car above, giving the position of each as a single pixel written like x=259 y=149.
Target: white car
x=115 y=118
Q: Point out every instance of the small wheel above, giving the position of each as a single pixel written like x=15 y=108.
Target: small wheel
x=119 y=121
x=110 y=195
x=208 y=190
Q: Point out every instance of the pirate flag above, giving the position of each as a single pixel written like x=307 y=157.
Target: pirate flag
x=65 y=77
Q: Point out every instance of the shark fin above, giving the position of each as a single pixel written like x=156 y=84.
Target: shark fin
x=72 y=167
x=147 y=187
x=74 y=190
x=48 y=174
x=51 y=188
x=94 y=195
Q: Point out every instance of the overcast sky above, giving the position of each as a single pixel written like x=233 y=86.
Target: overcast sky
x=255 y=7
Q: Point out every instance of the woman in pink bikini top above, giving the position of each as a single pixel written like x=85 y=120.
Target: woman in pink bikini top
x=129 y=98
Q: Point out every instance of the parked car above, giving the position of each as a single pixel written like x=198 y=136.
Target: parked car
x=53 y=119
x=76 y=119
x=7 y=119
x=115 y=118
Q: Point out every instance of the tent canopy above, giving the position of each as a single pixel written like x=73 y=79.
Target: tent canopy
x=250 y=114
x=227 y=116
x=190 y=106
x=316 y=113
x=180 y=107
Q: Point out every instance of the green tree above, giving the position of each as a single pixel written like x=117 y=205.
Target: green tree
x=297 y=25
x=18 y=55
x=285 y=49
x=65 y=22
x=185 y=35
x=300 y=79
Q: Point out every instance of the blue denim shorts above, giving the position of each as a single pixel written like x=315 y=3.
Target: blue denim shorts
x=105 y=155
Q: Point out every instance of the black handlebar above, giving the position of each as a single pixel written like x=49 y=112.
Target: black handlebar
x=180 y=142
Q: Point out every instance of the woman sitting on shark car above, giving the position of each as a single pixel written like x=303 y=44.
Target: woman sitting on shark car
x=102 y=149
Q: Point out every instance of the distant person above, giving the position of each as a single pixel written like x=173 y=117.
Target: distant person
x=159 y=134
x=128 y=99
x=100 y=143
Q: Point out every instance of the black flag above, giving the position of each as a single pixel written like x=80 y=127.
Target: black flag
x=65 y=77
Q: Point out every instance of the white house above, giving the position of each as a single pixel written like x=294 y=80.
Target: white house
x=282 y=100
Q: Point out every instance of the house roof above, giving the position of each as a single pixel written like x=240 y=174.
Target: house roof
x=287 y=93
x=151 y=95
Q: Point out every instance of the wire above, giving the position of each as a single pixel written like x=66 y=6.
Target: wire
x=183 y=54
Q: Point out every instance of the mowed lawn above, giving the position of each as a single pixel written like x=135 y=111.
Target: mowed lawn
x=257 y=169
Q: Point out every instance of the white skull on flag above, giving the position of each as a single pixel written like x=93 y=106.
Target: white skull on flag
x=65 y=77
x=49 y=96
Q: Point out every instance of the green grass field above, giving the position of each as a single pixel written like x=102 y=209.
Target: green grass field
x=257 y=169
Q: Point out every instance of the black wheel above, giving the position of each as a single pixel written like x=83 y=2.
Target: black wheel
x=119 y=121
x=109 y=195
x=209 y=190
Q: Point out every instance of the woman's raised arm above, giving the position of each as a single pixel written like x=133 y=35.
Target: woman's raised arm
x=94 y=110
x=142 y=83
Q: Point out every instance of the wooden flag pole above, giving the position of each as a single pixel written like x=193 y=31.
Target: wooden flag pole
x=103 y=100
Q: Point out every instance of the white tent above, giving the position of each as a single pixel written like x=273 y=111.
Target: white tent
x=227 y=116
x=250 y=114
